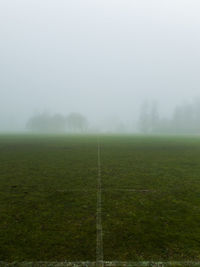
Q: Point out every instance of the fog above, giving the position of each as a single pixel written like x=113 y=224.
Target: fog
x=102 y=59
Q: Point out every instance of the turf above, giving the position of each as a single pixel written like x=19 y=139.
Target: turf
x=159 y=219
x=150 y=198
x=48 y=199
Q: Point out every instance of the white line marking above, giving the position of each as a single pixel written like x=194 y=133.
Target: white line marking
x=130 y=190
x=105 y=264
x=49 y=264
x=151 y=263
x=99 y=245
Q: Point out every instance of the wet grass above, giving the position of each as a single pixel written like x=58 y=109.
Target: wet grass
x=48 y=198
x=160 y=218
x=150 y=198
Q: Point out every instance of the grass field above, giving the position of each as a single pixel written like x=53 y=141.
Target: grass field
x=150 y=198
x=48 y=198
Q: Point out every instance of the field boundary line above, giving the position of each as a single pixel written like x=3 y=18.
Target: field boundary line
x=130 y=190
x=104 y=263
x=151 y=263
x=99 y=244
x=49 y=264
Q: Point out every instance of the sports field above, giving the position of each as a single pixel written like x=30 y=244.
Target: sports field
x=87 y=198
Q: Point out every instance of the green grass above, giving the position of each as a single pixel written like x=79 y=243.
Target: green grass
x=162 y=222
x=48 y=198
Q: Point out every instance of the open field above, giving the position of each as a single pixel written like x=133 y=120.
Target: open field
x=47 y=205
x=160 y=220
x=150 y=198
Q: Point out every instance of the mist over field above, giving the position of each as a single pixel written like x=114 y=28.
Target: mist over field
x=99 y=133
x=100 y=66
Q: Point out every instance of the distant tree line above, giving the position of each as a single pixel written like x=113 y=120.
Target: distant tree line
x=185 y=119
x=57 y=123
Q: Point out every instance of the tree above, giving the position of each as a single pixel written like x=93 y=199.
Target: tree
x=46 y=123
x=154 y=118
x=149 y=119
x=144 y=118
x=76 y=123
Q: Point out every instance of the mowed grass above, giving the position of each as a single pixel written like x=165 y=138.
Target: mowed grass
x=48 y=198
x=151 y=198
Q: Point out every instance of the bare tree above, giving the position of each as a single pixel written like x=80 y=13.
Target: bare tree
x=46 y=123
x=76 y=123
x=154 y=123
x=144 y=120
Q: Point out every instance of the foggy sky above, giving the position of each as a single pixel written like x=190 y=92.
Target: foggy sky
x=102 y=58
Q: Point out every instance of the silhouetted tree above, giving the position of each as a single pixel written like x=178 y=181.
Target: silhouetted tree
x=149 y=118
x=144 y=118
x=154 y=118
x=76 y=123
x=45 y=123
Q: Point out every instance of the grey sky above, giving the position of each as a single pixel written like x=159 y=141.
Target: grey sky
x=98 y=57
